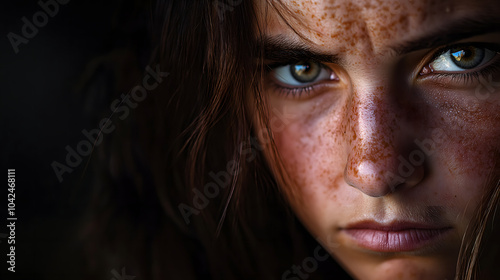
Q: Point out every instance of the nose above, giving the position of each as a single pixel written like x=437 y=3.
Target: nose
x=379 y=143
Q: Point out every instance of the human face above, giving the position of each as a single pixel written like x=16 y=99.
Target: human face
x=389 y=114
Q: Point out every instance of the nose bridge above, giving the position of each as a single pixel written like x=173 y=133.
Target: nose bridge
x=372 y=118
x=373 y=139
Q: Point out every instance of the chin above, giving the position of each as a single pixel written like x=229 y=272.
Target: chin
x=405 y=268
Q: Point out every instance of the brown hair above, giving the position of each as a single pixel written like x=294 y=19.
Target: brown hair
x=143 y=214
x=480 y=250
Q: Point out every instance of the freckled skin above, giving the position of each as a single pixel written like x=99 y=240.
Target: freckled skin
x=339 y=145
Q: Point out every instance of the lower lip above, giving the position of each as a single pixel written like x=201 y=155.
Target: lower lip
x=395 y=241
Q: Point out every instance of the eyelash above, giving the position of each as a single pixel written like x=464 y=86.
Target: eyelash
x=454 y=77
x=473 y=76
x=295 y=92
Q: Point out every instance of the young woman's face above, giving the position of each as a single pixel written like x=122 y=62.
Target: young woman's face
x=387 y=125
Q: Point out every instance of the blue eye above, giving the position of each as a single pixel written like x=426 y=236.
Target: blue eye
x=302 y=74
x=462 y=58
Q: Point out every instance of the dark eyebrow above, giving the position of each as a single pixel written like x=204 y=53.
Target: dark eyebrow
x=458 y=30
x=282 y=49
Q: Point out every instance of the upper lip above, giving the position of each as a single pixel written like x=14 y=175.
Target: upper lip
x=393 y=226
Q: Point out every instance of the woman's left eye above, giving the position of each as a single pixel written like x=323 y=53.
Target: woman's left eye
x=302 y=74
x=461 y=58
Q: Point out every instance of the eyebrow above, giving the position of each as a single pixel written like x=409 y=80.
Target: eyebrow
x=457 y=30
x=283 y=49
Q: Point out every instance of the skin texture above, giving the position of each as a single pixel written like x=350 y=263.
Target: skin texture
x=343 y=145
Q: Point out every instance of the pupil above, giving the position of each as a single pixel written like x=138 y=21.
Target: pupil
x=302 y=69
x=467 y=54
x=305 y=71
x=467 y=57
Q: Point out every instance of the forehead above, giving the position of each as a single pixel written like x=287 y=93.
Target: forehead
x=372 y=25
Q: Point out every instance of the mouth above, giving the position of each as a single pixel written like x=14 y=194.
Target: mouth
x=396 y=236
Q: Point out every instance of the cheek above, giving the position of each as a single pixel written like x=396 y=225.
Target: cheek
x=315 y=139
x=470 y=138
x=312 y=149
x=466 y=157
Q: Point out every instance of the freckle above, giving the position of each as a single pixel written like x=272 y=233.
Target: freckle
x=402 y=19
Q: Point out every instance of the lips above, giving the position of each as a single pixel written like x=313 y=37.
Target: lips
x=394 y=237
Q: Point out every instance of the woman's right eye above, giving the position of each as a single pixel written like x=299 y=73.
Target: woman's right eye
x=302 y=74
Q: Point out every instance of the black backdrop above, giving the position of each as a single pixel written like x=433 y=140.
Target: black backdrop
x=42 y=110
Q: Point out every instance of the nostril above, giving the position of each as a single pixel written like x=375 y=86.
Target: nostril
x=379 y=178
x=380 y=159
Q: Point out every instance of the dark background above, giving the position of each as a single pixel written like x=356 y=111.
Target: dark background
x=43 y=108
